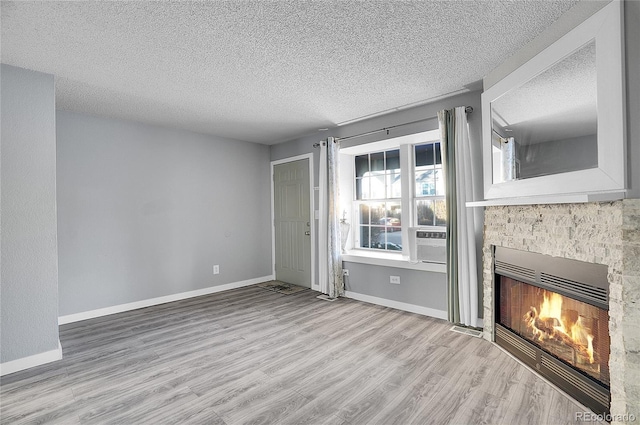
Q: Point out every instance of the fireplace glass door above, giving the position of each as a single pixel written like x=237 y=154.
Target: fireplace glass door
x=573 y=331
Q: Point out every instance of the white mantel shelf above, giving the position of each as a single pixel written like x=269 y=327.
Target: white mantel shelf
x=571 y=198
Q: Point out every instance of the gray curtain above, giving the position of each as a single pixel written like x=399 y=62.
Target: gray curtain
x=462 y=272
x=446 y=120
x=331 y=281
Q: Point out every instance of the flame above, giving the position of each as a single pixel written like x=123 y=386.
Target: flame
x=552 y=307
x=551 y=313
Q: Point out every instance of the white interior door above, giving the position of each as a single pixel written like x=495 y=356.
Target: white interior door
x=292 y=222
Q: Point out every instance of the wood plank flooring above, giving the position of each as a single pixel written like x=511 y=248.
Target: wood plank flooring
x=253 y=356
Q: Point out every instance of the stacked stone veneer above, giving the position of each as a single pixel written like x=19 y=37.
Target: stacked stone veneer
x=603 y=233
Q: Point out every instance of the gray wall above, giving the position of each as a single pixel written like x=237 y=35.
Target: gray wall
x=632 y=49
x=576 y=15
x=426 y=289
x=145 y=211
x=558 y=156
x=433 y=284
x=29 y=267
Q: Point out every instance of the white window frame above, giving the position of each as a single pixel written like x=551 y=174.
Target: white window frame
x=357 y=203
x=432 y=198
x=407 y=165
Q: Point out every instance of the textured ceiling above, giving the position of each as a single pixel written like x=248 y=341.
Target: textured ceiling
x=264 y=71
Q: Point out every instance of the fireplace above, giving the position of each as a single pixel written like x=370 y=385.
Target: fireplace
x=552 y=314
x=605 y=233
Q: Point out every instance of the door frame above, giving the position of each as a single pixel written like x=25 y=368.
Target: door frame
x=312 y=218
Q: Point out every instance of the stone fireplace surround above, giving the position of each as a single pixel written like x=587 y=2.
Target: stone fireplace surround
x=603 y=233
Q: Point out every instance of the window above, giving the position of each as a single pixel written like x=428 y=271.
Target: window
x=378 y=197
x=429 y=202
x=388 y=186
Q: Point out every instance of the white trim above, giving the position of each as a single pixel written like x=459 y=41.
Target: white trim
x=31 y=361
x=393 y=143
x=70 y=318
x=323 y=215
x=312 y=221
x=407 y=190
x=571 y=198
x=292 y=159
x=411 y=308
x=391 y=260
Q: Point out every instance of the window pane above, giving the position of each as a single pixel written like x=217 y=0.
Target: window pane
x=424 y=154
x=430 y=160
x=364 y=214
x=377 y=214
x=424 y=213
x=378 y=183
x=425 y=183
x=431 y=212
x=438 y=153
x=394 y=210
x=365 y=191
x=393 y=160
x=362 y=165
x=377 y=161
x=440 y=208
x=380 y=225
x=394 y=186
x=421 y=155
x=377 y=237
x=393 y=219
x=394 y=239
x=386 y=238
x=378 y=187
x=364 y=237
x=439 y=176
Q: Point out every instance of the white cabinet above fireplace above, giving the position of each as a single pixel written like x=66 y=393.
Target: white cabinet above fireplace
x=554 y=129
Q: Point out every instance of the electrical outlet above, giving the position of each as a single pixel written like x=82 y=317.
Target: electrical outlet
x=345 y=272
x=394 y=279
x=216 y=269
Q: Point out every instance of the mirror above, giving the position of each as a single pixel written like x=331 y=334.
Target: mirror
x=549 y=124
x=556 y=124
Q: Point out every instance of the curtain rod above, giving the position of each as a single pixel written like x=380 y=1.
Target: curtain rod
x=467 y=109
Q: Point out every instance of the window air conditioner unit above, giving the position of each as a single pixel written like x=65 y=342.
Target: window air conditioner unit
x=428 y=244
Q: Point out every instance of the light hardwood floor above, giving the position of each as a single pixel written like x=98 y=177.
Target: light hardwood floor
x=252 y=356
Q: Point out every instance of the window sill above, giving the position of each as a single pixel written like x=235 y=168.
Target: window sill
x=391 y=260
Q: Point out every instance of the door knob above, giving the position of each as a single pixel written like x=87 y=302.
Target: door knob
x=307 y=233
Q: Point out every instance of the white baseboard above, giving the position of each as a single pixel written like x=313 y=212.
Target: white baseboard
x=31 y=361
x=411 y=308
x=62 y=320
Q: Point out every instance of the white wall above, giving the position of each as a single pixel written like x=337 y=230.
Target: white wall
x=29 y=267
x=145 y=212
